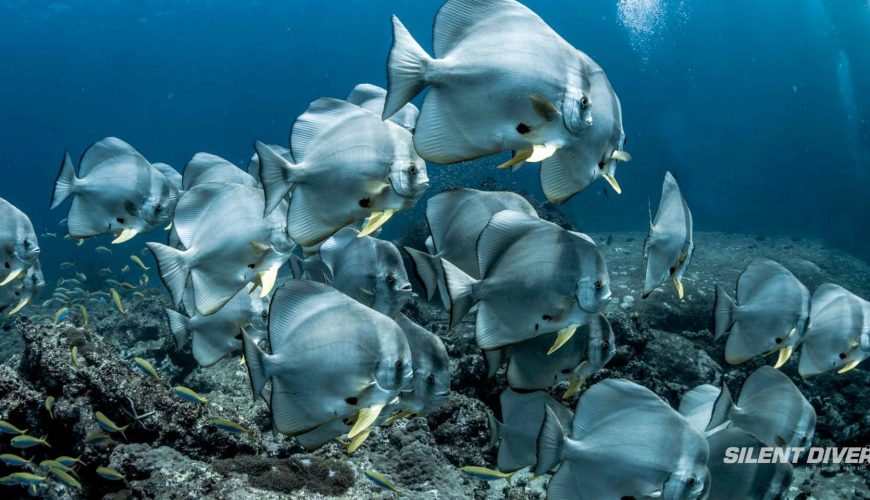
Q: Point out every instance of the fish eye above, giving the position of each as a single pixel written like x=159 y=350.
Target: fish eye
x=598 y=285
x=391 y=280
x=605 y=344
x=412 y=170
x=251 y=266
x=400 y=365
x=159 y=207
x=584 y=102
x=430 y=380
x=691 y=481
x=842 y=355
x=264 y=314
x=26 y=243
x=778 y=340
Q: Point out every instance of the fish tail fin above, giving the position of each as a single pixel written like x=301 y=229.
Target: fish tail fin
x=721 y=413
x=550 y=441
x=494 y=430
x=65 y=183
x=428 y=269
x=406 y=69
x=296 y=266
x=179 y=326
x=276 y=175
x=723 y=312
x=172 y=267
x=255 y=360
x=459 y=291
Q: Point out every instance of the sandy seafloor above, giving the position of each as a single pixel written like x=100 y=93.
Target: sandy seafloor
x=663 y=344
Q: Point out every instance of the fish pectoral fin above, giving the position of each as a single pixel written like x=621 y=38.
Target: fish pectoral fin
x=519 y=157
x=365 y=418
x=368 y=293
x=168 y=228
x=563 y=336
x=125 y=235
x=679 y=285
x=267 y=280
x=376 y=220
x=849 y=366
x=544 y=108
x=611 y=179
x=574 y=385
x=784 y=354
x=358 y=440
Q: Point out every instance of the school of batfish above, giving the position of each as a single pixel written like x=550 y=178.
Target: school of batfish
x=326 y=345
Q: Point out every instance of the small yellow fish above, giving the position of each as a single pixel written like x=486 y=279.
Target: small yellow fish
x=54 y=464
x=103 y=250
x=25 y=441
x=118 y=304
x=382 y=481
x=107 y=425
x=96 y=439
x=60 y=315
x=84 y=313
x=229 y=426
x=74 y=355
x=7 y=428
x=49 y=404
x=139 y=262
x=189 y=394
x=147 y=368
x=70 y=461
x=64 y=478
x=25 y=478
x=143 y=280
x=128 y=285
x=485 y=474
x=79 y=242
x=110 y=474
x=125 y=269
x=14 y=460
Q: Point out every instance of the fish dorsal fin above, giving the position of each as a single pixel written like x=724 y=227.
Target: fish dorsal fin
x=368 y=96
x=294 y=303
x=759 y=277
x=672 y=209
x=615 y=400
x=459 y=18
x=170 y=173
x=439 y=211
x=330 y=250
x=321 y=115
x=192 y=207
x=764 y=382
x=206 y=167
x=584 y=237
x=503 y=229
x=104 y=150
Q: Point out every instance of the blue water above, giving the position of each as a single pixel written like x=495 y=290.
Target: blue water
x=761 y=108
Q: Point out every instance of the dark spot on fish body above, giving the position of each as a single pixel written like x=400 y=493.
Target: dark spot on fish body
x=120 y=220
x=601 y=165
x=7 y=265
x=365 y=203
x=566 y=371
x=842 y=355
x=6 y=326
x=778 y=340
x=546 y=317
x=536 y=327
x=523 y=129
x=351 y=401
x=251 y=266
